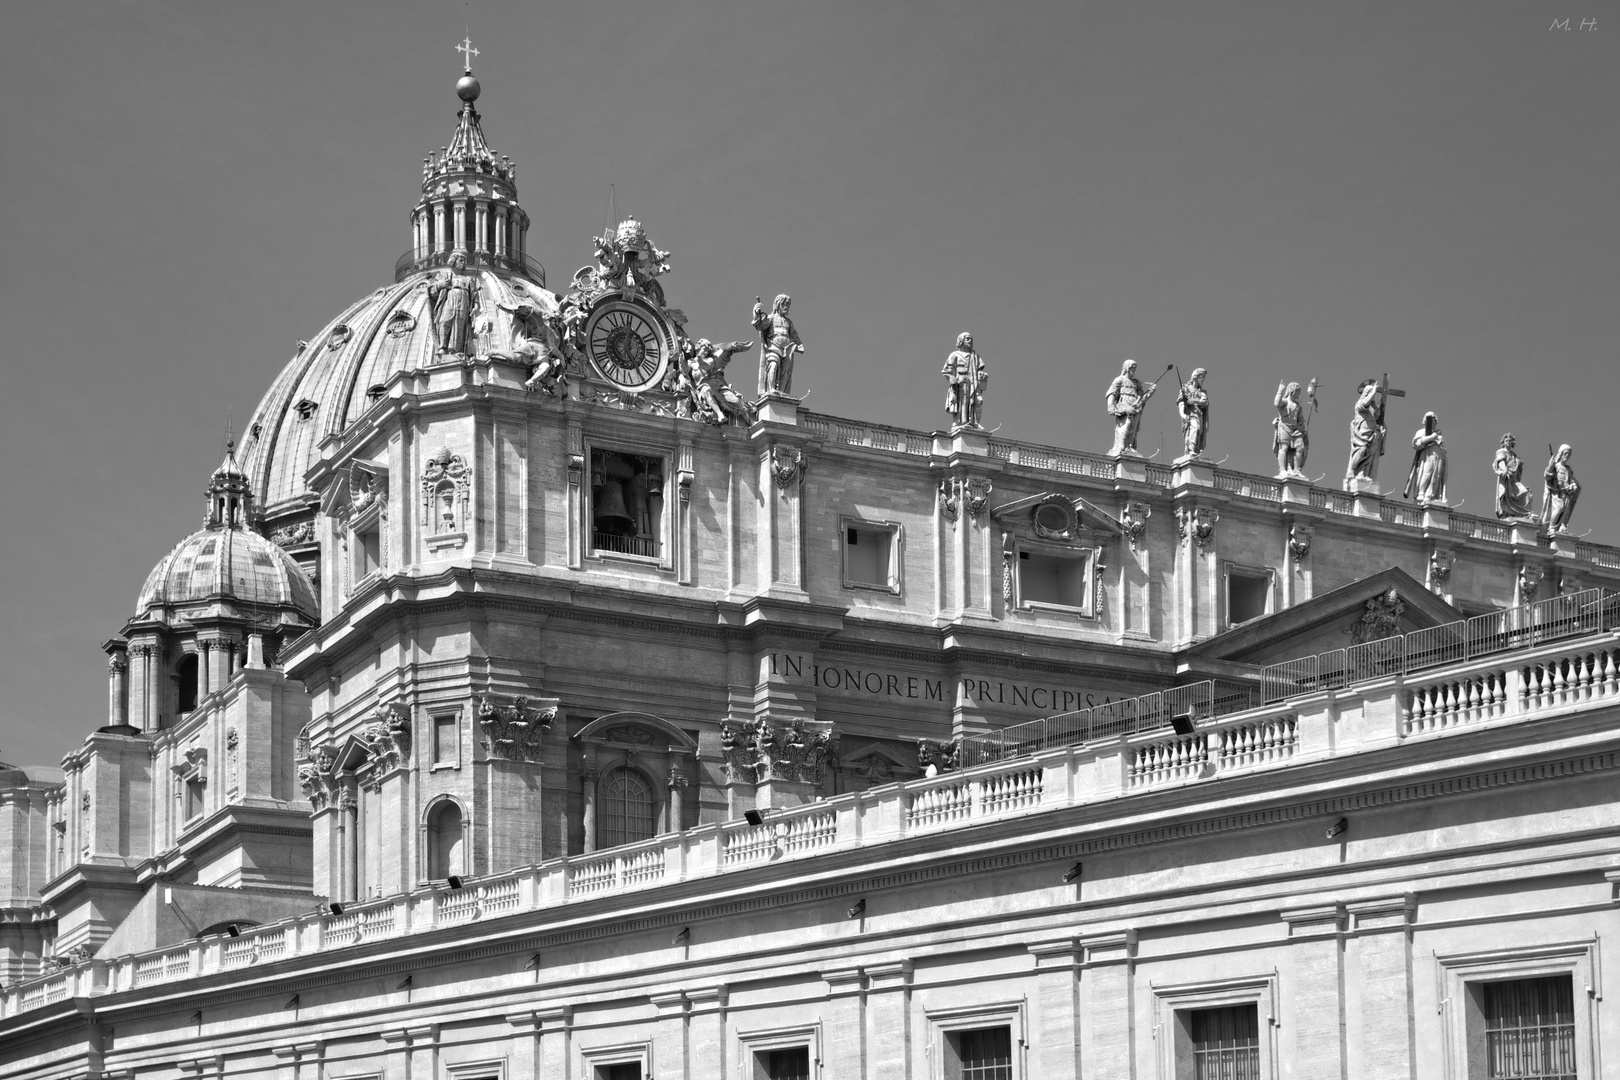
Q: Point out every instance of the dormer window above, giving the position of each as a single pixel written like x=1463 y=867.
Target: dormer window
x=306 y=409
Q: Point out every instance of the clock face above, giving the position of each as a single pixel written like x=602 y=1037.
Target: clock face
x=627 y=345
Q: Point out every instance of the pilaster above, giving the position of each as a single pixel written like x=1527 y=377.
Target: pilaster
x=706 y=1033
x=844 y=1015
x=889 y=1020
x=1313 y=994
x=1382 y=940
x=1056 y=1054
x=1109 y=960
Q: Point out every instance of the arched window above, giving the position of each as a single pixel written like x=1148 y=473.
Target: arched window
x=626 y=811
x=185 y=675
x=444 y=841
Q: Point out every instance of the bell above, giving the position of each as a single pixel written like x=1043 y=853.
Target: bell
x=612 y=516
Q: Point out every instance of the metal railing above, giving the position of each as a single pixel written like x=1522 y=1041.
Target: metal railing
x=510 y=262
x=1131 y=716
x=1522 y=627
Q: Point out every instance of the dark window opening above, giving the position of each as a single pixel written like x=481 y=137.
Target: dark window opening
x=982 y=1054
x=792 y=1064
x=1246 y=597
x=1530 y=1029
x=1052 y=579
x=186 y=680
x=869 y=557
x=626 y=813
x=1220 y=1044
x=627 y=503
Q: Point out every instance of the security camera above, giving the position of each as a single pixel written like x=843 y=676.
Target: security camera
x=1073 y=874
x=859 y=909
x=1338 y=827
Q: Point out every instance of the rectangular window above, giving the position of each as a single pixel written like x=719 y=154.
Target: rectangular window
x=1225 y=1043
x=367 y=553
x=627 y=503
x=1530 y=1029
x=790 y=1064
x=446 y=740
x=194 y=797
x=869 y=557
x=628 y=1070
x=979 y=1054
x=1247 y=596
x=1058 y=580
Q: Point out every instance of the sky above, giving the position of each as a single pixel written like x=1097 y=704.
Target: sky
x=1268 y=190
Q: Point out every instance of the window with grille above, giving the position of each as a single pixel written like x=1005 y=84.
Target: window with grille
x=1530 y=1029
x=625 y=810
x=981 y=1054
x=790 y=1064
x=626 y=1070
x=1225 y=1043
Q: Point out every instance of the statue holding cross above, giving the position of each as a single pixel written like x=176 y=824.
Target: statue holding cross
x=1367 y=433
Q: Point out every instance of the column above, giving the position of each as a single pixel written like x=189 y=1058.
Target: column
x=205 y=661
x=1056 y=1053
x=255 y=650
x=1312 y=997
x=1110 y=963
x=706 y=1033
x=677 y=804
x=500 y=231
x=349 y=840
x=439 y=239
x=462 y=215
x=889 y=1019
x=1384 y=984
x=588 y=776
x=117 y=688
x=483 y=226
x=844 y=1049
x=154 y=686
x=669 y=1061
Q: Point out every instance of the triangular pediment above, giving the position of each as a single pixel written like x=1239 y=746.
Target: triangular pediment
x=1324 y=622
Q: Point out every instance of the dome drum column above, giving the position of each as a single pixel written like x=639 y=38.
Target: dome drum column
x=117 y=685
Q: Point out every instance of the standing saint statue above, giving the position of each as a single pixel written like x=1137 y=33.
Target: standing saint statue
x=1427 y=481
x=1193 y=405
x=1290 y=430
x=1512 y=497
x=453 y=295
x=779 y=344
x=1558 y=504
x=965 y=379
x=1366 y=434
x=1124 y=401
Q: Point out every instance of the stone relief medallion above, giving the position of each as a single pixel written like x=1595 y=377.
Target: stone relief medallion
x=627 y=344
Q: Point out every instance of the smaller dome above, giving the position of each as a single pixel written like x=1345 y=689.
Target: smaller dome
x=229 y=566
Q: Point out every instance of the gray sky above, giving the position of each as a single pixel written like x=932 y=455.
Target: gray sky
x=1270 y=191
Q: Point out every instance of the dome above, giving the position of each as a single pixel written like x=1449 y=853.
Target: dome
x=330 y=383
x=229 y=567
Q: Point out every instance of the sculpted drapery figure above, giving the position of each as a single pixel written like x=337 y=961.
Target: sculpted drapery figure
x=1366 y=433
x=1427 y=481
x=1562 y=491
x=1290 y=432
x=1124 y=401
x=779 y=344
x=453 y=294
x=703 y=376
x=1193 y=405
x=1512 y=497
x=965 y=378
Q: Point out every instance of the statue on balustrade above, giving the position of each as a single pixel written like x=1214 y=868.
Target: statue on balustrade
x=1193 y=406
x=1426 y=482
x=965 y=379
x=1512 y=497
x=779 y=344
x=453 y=295
x=1290 y=430
x=1558 y=503
x=1125 y=399
x=1366 y=434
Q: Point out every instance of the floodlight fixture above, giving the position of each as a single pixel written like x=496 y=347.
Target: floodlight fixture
x=754 y=817
x=1183 y=724
x=335 y=908
x=454 y=881
x=233 y=930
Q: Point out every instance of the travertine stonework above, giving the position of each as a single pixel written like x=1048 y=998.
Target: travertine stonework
x=430 y=755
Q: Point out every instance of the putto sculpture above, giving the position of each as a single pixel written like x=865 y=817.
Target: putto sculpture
x=1192 y=403
x=1426 y=482
x=453 y=295
x=965 y=379
x=1124 y=401
x=1558 y=502
x=1290 y=429
x=779 y=344
x=1512 y=497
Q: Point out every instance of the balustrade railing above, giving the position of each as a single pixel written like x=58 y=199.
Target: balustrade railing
x=1097 y=754
x=1523 y=627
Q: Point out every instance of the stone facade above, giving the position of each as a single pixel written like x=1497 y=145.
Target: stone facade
x=553 y=723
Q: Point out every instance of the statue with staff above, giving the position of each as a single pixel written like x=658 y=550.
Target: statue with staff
x=1291 y=429
x=965 y=379
x=1192 y=404
x=1125 y=399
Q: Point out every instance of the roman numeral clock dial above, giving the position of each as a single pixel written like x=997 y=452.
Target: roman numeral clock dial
x=627 y=345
